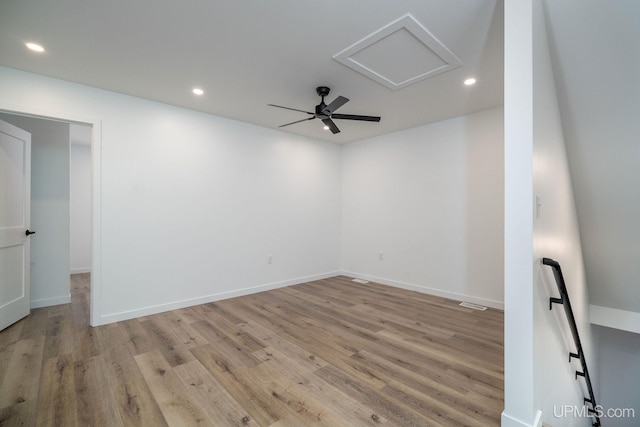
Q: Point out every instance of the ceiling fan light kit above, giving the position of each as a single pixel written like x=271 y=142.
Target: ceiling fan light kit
x=326 y=113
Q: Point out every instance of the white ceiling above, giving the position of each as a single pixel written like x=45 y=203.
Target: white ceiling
x=247 y=54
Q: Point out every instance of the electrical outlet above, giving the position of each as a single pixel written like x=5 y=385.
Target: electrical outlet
x=270 y=259
x=381 y=256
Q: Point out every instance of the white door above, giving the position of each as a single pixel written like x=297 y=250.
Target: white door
x=15 y=217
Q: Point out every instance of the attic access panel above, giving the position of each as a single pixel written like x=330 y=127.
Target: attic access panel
x=399 y=54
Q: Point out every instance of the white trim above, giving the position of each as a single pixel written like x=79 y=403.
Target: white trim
x=537 y=422
x=80 y=270
x=509 y=421
x=412 y=26
x=131 y=314
x=427 y=290
x=96 y=222
x=615 y=318
x=48 y=302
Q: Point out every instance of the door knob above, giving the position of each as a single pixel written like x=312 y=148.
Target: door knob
x=28 y=232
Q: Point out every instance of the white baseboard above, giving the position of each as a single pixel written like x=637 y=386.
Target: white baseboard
x=427 y=290
x=80 y=270
x=48 y=302
x=509 y=421
x=146 y=311
x=537 y=422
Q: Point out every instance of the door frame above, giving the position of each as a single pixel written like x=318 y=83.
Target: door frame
x=96 y=195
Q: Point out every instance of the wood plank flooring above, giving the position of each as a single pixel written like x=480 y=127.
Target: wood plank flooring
x=326 y=353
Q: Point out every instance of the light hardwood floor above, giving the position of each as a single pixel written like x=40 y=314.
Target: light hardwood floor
x=328 y=353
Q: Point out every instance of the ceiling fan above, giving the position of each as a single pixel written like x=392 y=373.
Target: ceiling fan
x=326 y=113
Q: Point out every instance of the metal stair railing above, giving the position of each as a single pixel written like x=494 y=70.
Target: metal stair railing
x=566 y=303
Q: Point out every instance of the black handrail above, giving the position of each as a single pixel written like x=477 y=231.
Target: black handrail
x=564 y=300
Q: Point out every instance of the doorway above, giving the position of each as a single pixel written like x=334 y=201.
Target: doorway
x=54 y=211
x=80 y=221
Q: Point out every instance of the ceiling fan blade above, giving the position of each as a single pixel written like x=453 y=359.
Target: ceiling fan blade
x=335 y=104
x=355 y=117
x=297 y=121
x=288 y=108
x=331 y=125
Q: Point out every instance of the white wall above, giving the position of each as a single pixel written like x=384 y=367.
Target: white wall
x=191 y=205
x=80 y=199
x=539 y=381
x=430 y=200
x=518 y=222
x=556 y=235
x=600 y=102
x=49 y=209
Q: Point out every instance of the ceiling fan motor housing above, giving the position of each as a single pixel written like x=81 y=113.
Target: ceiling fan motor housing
x=320 y=114
x=322 y=91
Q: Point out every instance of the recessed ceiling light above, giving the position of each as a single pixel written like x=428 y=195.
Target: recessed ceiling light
x=34 y=47
x=470 y=81
x=198 y=91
